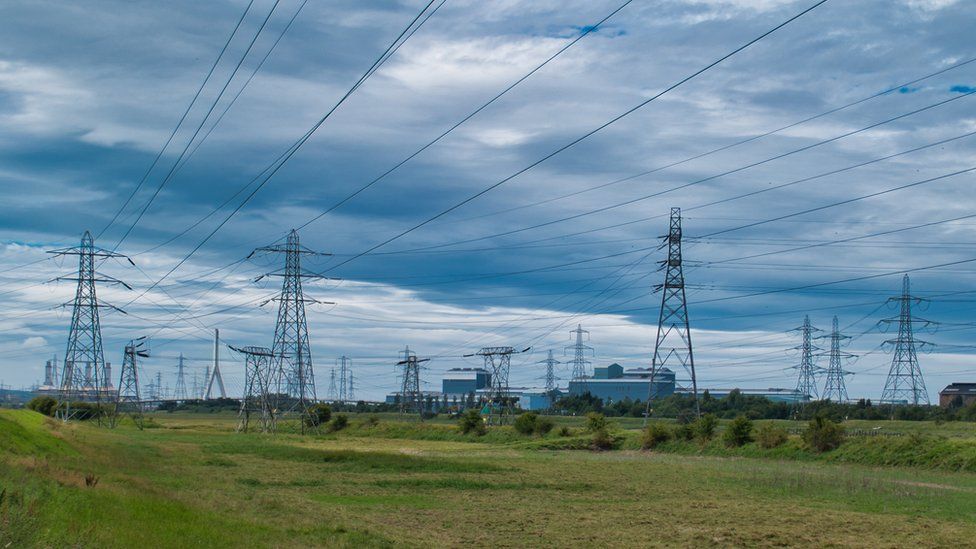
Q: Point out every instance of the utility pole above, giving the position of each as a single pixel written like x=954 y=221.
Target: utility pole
x=550 y=363
x=292 y=354
x=256 y=400
x=580 y=364
x=807 y=370
x=128 y=400
x=673 y=341
x=85 y=334
x=411 y=397
x=214 y=375
x=905 y=384
x=835 y=389
x=180 y=392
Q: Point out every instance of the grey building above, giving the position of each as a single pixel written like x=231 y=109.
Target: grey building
x=613 y=383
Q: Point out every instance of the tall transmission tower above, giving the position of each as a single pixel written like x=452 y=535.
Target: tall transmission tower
x=343 y=362
x=333 y=394
x=550 y=363
x=807 y=370
x=835 y=389
x=128 y=399
x=411 y=398
x=352 y=389
x=905 y=384
x=498 y=363
x=256 y=399
x=673 y=343
x=84 y=360
x=580 y=364
x=179 y=393
x=293 y=373
x=213 y=375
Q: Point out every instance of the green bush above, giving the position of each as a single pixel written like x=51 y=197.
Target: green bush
x=654 y=435
x=339 y=422
x=596 y=421
x=526 y=422
x=565 y=431
x=768 y=436
x=823 y=434
x=738 y=433
x=43 y=405
x=704 y=427
x=471 y=422
x=543 y=425
x=372 y=420
x=317 y=414
x=683 y=431
x=602 y=440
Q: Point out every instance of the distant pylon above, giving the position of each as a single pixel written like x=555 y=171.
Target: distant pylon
x=84 y=360
x=180 y=392
x=498 y=363
x=256 y=399
x=580 y=364
x=352 y=390
x=411 y=397
x=905 y=384
x=215 y=376
x=128 y=400
x=550 y=363
x=807 y=370
x=333 y=394
x=835 y=389
x=343 y=362
x=293 y=373
x=673 y=341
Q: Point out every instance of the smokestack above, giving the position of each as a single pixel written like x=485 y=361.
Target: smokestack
x=48 y=378
x=107 y=375
x=88 y=374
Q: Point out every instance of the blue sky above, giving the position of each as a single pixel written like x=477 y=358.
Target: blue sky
x=89 y=94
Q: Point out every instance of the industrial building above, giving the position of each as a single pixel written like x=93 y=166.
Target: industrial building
x=613 y=383
x=966 y=393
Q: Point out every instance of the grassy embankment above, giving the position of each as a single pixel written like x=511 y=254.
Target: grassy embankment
x=193 y=481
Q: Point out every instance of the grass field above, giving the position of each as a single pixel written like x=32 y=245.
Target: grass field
x=191 y=481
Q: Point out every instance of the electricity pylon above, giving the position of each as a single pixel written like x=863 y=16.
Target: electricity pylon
x=352 y=390
x=333 y=394
x=905 y=384
x=256 y=400
x=550 y=363
x=835 y=389
x=180 y=392
x=673 y=343
x=213 y=375
x=128 y=400
x=411 y=398
x=580 y=363
x=343 y=363
x=293 y=375
x=84 y=360
x=498 y=362
x=807 y=370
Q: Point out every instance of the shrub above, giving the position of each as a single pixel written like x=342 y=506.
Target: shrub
x=823 y=435
x=526 y=423
x=43 y=405
x=318 y=414
x=339 y=422
x=738 y=433
x=704 y=427
x=769 y=436
x=471 y=422
x=602 y=440
x=596 y=421
x=654 y=435
x=372 y=421
x=543 y=425
x=683 y=432
x=565 y=431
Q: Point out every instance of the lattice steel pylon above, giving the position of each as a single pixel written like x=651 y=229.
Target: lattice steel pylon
x=180 y=393
x=128 y=399
x=807 y=370
x=84 y=360
x=256 y=398
x=905 y=384
x=411 y=397
x=352 y=389
x=343 y=363
x=332 y=395
x=673 y=342
x=292 y=375
x=835 y=389
x=498 y=363
x=550 y=363
x=580 y=364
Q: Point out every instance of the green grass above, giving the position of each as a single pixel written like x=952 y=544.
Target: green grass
x=193 y=481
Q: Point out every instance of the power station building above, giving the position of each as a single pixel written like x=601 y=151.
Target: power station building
x=613 y=383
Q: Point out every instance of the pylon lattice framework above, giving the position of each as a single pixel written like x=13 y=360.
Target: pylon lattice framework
x=411 y=397
x=292 y=375
x=673 y=343
x=835 y=389
x=905 y=384
x=498 y=363
x=550 y=363
x=807 y=370
x=84 y=360
x=580 y=364
x=128 y=399
x=180 y=393
x=256 y=399
x=344 y=372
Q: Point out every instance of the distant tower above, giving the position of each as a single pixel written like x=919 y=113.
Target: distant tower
x=213 y=376
x=343 y=363
x=180 y=392
x=292 y=354
x=411 y=398
x=128 y=399
x=673 y=343
x=49 y=374
x=352 y=390
x=550 y=363
x=905 y=383
x=835 y=389
x=333 y=394
x=256 y=399
x=806 y=370
x=84 y=359
x=498 y=362
x=580 y=364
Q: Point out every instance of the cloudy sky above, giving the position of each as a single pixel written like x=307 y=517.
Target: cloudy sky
x=814 y=168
